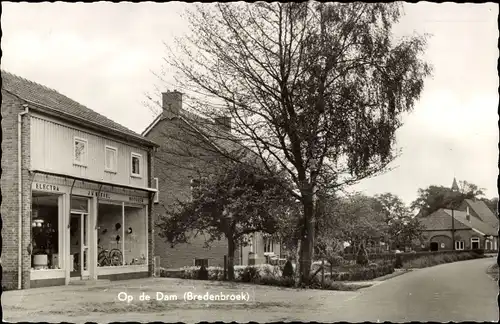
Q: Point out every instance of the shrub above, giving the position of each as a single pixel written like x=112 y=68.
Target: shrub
x=202 y=273
x=250 y=274
x=277 y=281
x=288 y=269
x=398 y=263
x=362 y=257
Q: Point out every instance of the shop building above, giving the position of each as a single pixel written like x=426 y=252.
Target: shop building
x=76 y=190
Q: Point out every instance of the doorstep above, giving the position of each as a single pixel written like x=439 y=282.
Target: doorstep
x=91 y=282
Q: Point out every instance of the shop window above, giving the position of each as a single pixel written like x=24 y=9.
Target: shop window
x=459 y=245
x=136 y=164
x=201 y=262
x=45 y=238
x=80 y=151
x=135 y=235
x=109 y=235
x=110 y=158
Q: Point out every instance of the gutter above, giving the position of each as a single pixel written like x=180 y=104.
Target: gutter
x=19 y=199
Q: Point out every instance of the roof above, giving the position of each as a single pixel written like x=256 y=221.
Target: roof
x=442 y=220
x=474 y=223
x=224 y=141
x=50 y=101
x=483 y=211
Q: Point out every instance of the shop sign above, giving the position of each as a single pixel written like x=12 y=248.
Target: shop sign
x=101 y=194
x=45 y=187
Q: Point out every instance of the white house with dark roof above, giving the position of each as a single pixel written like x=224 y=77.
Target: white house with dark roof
x=76 y=190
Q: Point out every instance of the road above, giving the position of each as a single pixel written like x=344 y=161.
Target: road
x=460 y=292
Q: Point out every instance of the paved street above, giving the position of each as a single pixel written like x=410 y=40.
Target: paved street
x=460 y=291
x=457 y=291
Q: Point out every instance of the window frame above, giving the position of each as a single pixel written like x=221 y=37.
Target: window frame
x=459 y=245
x=475 y=240
x=106 y=168
x=139 y=156
x=268 y=242
x=85 y=153
x=156 y=198
x=205 y=259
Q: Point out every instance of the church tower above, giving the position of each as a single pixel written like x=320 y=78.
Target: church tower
x=454 y=186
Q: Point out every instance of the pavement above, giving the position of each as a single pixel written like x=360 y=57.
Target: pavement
x=460 y=291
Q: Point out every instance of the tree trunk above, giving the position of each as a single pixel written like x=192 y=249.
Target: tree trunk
x=230 y=259
x=307 y=240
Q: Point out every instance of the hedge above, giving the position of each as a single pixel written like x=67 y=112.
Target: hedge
x=363 y=273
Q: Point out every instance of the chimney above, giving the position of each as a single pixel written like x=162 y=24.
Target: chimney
x=224 y=123
x=171 y=103
x=467 y=214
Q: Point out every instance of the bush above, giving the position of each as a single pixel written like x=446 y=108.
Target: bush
x=277 y=281
x=288 y=269
x=364 y=273
x=362 y=257
x=203 y=273
x=436 y=258
x=398 y=263
x=250 y=274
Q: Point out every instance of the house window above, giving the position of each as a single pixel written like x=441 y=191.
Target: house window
x=459 y=245
x=110 y=154
x=201 y=262
x=268 y=245
x=474 y=242
x=136 y=166
x=80 y=151
x=488 y=245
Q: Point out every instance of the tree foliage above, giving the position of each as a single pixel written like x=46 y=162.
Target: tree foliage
x=232 y=204
x=316 y=88
x=435 y=197
x=403 y=228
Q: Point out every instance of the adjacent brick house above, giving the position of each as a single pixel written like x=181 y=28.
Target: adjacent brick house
x=73 y=182
x=448 y=229
x=189 y=146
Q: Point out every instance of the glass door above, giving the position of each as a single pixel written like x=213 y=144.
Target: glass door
x=79 y=245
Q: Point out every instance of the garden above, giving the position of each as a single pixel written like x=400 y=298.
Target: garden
x=334 y=275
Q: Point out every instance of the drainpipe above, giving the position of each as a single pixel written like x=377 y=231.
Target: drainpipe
x=19 y=193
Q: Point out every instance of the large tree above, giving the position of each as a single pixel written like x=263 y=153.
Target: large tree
x=433 y=197
x=403 y=228
x=230 y=204
x=316 y=88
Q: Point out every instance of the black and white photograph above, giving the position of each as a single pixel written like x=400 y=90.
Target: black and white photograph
x=249 y=162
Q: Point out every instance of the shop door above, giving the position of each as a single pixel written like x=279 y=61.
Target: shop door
x=79 y=245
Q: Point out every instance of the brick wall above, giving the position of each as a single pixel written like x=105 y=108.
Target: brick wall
x=445 y=236
x=11 y=106
x=182 y=155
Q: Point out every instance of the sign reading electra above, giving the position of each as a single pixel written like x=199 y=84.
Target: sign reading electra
x=45 y=187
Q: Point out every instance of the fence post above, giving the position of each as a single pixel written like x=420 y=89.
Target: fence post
x=225 y=267
x=322 y=272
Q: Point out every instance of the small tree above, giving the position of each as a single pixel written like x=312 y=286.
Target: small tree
x=232 y=203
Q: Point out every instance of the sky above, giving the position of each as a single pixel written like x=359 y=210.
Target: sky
x=103 y=55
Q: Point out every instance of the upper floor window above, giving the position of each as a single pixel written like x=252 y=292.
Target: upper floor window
x=268 y=245
x=110 y=158
x=80 y=151
x=136 y=165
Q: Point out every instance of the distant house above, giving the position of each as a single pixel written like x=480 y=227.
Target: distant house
x=447 y=229
x=189 y=148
